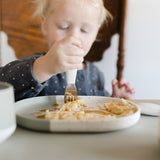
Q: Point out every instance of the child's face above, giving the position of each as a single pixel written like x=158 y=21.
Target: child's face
x=69 y=18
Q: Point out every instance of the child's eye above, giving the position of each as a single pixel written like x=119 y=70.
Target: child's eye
x=85 y=30
x=63 y=26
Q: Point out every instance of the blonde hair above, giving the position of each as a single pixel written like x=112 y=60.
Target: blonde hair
x=44 y=5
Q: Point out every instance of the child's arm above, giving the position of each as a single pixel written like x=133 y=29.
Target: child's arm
x=19 y=74
x=121 y=89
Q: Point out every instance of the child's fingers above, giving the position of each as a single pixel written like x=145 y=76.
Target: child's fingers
x=75 y=59
x=77 y=66
x=128 y=85
x=114 y=88
x=114 y=82
x=132 y=91
x=121 y=82
x=129 y=89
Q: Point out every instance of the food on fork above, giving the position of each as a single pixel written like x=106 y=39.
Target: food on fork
x=77 y=110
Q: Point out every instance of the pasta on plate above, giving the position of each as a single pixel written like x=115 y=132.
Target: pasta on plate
x=77 y=110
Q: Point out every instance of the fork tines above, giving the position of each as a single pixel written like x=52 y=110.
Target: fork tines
x=70 y=93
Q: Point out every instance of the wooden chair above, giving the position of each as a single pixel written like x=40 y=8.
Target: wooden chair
x=25 y=37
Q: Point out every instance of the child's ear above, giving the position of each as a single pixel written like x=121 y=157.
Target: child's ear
x=43 y=25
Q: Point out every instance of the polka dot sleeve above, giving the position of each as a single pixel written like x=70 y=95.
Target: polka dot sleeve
x=19 y=74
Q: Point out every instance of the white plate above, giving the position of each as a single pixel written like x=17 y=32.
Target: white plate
x=26 y=107
x=149 y=107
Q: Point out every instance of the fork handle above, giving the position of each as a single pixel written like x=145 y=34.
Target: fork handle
x=71 y=76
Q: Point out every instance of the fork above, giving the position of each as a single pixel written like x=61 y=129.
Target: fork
x=71 y=90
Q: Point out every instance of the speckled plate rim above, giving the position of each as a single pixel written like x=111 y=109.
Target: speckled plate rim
x=25 y=107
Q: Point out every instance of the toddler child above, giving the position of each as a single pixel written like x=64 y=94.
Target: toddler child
x=70 y=27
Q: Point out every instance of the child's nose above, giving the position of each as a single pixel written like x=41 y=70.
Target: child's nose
x=74 y=33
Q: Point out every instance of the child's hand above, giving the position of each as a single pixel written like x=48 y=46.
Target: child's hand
x=122 y=89
x=64 y=55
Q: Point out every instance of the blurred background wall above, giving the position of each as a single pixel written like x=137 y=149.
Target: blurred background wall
x=142 y=52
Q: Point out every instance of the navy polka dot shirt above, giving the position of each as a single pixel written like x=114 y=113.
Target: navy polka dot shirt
x=19 y=74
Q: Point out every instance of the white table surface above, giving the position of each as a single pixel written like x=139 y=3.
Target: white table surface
x=139 y=142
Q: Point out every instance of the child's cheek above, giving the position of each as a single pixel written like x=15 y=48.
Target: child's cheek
x=87 y=46
x=53 y=39
x=50 y=44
